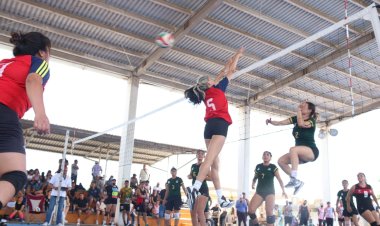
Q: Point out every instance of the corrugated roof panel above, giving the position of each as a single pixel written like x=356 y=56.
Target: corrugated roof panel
x=289 y=14
x=338 y=80
x=370 y=52
x=334 y=8
x=193 y=5
x=299 y=96
x=151 y=10
x=255 y=26
x=229 y=38
x=362 y=69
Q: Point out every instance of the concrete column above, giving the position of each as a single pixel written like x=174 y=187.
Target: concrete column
x=244 y=168
x=127 y=136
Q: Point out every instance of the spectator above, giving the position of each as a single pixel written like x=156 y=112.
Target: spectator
x=215 y=214
x=141 y=195
x=304 y=214
x=65 y=183
x=277 y=212
x=101 y=208
x=48 y=176
x=162 y=208
x=321 y=216
x=125 y=201
x=74 y=171
x=47 y=200
x=144 y=175
x=242 y=210
x=80 y=206
x=134 y=182
x=19 y=207
x=288 y=213
x=231 y=217
x=329 y=215
x=157 y=187
x=111 y=201
x=96 y=170
x=93 y=194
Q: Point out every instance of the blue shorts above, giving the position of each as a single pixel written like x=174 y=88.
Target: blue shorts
x=11 y=135
x=161 y=212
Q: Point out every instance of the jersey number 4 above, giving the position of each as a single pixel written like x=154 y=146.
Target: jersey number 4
x=210 y=104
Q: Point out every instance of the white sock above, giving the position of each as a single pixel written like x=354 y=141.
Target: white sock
x=197 y=185
x=293 y=174
x=219 y=193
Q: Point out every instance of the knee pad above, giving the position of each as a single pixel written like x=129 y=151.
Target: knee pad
x=252 y=216
x=176 y=216
x=167 y=216
x=17 y=178
x=373 y=223
x=271 y=219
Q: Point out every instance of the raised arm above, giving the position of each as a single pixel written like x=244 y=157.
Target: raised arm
x=300 y=120
x=278 y=123
x=232 y=64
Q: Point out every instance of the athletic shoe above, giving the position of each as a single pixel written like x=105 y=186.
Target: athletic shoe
x=225 y=203
x=45 y=224
x=60 y=224
x=297 y=187
x=292 y=183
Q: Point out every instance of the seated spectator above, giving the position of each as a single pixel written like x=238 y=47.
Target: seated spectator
x=80 y=206
x=19 y=207
x=94 y=192
x=100 y=208
x=156 y=211
x=48 y=176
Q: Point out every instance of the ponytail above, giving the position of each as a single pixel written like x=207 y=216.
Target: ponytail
x=195 y=94
x=29 y=43
x=313 y=113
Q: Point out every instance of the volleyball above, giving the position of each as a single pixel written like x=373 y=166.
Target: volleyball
x=165 y=40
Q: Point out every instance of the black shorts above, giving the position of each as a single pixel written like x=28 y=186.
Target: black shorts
x=350 y=214
x=11 y=135
x=174 y=203
x=215 y=126
x=125 y=207
x=315 y=151
x=204 y=190
x=264 y=194
x=141 y=208
x=362 y=209
x=109 y=201
x=341 y=219
x=288 y=220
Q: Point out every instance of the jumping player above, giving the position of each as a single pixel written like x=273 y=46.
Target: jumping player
x=305 y=149
x=198 y=211
x=342 y=194
x=212 y=93
x=22 y=82
x=264 y=174
x=363 y=193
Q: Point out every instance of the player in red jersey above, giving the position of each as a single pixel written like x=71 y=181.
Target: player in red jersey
x=22 y=81
x=364 y=203
x=212 y=93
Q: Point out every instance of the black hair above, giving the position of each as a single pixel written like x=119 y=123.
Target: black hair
x=311 y=107
x=29 y=43
x=268 y=153
x=195 y=94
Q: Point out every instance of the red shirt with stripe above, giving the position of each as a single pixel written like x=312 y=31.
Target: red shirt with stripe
x=13 y=74
x=216 y=102
x=363 y=195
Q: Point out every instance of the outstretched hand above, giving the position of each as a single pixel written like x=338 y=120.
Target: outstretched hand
x=268 y=121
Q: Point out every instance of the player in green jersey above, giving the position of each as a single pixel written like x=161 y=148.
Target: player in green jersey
x=172 y=199
x=348 y=216
x=265 y=174
x=198 y=211
x=305 y=149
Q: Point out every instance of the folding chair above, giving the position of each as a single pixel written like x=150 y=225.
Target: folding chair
x=35 y=206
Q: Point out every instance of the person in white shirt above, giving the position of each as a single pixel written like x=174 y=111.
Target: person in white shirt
x=157 y=188
x=54 y=183
x=96 y=170
x=144 y=175
x=329 y=215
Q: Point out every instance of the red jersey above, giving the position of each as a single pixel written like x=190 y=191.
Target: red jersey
x=216 y=102
x=13 y=74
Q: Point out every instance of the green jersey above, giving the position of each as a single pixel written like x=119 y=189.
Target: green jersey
x=304 y=136
x=342 y=196
x=174 y=186
x=194 y=173
x=265 y=175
